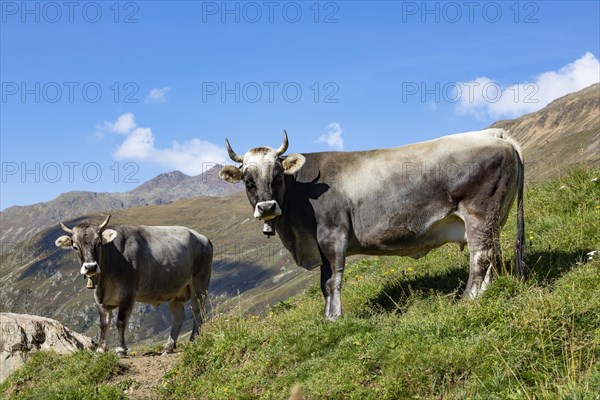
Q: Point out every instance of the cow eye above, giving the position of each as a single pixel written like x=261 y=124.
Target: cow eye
x=75 y=247
x=249 y=183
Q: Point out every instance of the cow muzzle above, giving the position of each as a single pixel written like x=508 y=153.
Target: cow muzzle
x=266 y=210
x=90 y=268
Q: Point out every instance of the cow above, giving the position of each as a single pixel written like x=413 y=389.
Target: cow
x=401 y=201
x=149 y=264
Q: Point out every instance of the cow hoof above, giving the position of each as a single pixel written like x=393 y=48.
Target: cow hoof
x=168 y=350
x=100 y=350
x=121 y=352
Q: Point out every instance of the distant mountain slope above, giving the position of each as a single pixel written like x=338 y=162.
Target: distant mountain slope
x=22 y=222
x=157 y=186
x=565 y=132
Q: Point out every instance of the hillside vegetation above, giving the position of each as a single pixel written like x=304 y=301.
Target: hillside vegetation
x=405 y=334
x=562 y=134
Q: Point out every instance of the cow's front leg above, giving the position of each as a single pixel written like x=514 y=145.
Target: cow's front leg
x=333 y=255
x=105 y=317
x=125 y=308
x=331 y=287
x=178 y=315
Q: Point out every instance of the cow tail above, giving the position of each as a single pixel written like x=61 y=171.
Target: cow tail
x=520 y=243
x=210 y=251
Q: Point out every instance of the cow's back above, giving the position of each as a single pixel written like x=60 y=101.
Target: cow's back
x=157 y=260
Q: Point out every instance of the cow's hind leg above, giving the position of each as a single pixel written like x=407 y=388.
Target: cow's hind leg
x=483 y=250
x=199 y=295
x=485 y=213
x=197 y=314
x=125 y=309
x=199 y=287
x=178 y=315
x=481 y=266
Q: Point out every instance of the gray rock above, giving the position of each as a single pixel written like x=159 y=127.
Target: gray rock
x=22 y=334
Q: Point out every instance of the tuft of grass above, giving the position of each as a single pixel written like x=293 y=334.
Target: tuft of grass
x=49 y=376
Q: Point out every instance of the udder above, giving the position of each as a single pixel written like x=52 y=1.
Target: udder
x=450 y=229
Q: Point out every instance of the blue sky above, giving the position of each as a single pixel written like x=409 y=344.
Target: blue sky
x=101 y=97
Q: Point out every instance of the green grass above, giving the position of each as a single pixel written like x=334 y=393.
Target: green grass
x=49 y=376
x=406 y=333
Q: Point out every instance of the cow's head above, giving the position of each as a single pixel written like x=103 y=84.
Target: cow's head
x=87 y=240
x=262 y=171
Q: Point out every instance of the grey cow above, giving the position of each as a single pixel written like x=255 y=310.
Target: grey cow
x=401 y=201
x=149 y=264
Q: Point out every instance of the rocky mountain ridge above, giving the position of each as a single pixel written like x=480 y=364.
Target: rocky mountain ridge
x=20 y=223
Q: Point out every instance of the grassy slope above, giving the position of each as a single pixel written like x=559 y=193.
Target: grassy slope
x=405 y=334
x=49 y=376
x=563 y=133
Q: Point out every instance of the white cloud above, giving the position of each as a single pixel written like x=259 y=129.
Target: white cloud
x=333 y=136
x=158 y=95
x=487 y=99
x=191 y=156
x=124 y=124
x=139 y=145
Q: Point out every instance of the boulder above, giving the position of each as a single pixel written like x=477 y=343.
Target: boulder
x=22 y=334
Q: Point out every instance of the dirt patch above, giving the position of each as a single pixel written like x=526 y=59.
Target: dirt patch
x=142 y=374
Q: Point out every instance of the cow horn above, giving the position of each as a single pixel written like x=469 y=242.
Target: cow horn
x=64 y=228
x=284 y=145
x=232 y=154
x=103 y=225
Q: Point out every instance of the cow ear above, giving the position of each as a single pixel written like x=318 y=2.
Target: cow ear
x=292 y=163
x=231 y=174
x=64 y=242
x=108 y=235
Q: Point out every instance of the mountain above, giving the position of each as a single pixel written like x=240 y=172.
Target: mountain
x=22 y=222
x=157 y=186
x=564 y=133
